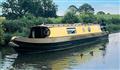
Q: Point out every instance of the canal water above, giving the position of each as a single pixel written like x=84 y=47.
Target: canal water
x=103 y=55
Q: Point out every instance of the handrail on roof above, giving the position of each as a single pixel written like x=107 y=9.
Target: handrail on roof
x=60 y=25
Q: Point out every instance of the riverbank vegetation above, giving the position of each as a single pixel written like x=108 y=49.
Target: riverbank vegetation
x=1 y=31
x=22 y=14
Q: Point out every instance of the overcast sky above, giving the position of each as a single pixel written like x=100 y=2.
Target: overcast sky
x=108 y=6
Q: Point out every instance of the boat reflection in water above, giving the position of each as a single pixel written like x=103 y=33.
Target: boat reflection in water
x=60 y=60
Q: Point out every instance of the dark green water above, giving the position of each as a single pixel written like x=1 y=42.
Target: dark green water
x=98 y=56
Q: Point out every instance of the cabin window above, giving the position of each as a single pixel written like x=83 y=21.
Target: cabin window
x=89 y=29
x=33 y=34
x=71 y=30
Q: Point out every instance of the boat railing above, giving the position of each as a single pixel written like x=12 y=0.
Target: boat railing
x=62 y=25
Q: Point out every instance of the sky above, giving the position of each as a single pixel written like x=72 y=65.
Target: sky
x=108 y=6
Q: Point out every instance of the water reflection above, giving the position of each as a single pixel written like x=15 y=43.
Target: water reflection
x=100 y=55
x=60 y=60
x=53 y=61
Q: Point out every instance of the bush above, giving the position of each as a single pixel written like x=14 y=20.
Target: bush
x=12 y=26
x=70 y=18
x=7 y=37
x=115 y=20
x=109 y=19
x=87 y=18
x=57 y=20
x=1 y=35
x=113 y=28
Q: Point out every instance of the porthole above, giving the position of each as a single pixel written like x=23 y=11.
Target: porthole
x=89 y=29
x=83 y=29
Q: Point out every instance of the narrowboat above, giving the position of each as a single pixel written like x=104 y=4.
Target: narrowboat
x=53 y=37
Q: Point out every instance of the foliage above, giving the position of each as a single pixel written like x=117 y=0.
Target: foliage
x=1 y=35
x=72 y=9
x=13 y=9
x=100 y=13
x=83 y=9
x=7 y=37
x=115 y=20
x=113 y=28
x=2 y=19
x=112 y=21
x=106 y=16
x=86 y=8
x=57 y=20
x=11 y=26
x=70 y=18
x=43 y=8
x=87 y=18
x=1 y=31
x=109 y=19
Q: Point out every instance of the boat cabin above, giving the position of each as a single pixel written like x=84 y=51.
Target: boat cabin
x=39 y=32
x=60 y=30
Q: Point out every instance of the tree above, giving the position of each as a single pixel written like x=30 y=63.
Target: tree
x=100 y=13
x=86 y=8
x=73 y=9
x=13 y=9
x=108 y=13
x=43 y=8
x=70 y=18
x=49 y=8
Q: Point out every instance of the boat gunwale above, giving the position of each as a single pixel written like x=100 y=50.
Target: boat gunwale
x=53 y=38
